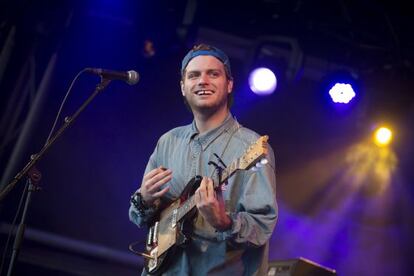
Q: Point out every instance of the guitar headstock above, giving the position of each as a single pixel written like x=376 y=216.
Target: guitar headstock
x=255 y=154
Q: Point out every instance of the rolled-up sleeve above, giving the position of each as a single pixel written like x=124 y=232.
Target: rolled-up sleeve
x=142 y=218
x=256 y=213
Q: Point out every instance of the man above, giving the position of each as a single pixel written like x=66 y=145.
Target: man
x=233 y=225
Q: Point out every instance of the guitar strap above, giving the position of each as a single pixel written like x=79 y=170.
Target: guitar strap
x=233 y=130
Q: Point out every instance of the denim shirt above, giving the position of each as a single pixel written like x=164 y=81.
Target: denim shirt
x=250 y=200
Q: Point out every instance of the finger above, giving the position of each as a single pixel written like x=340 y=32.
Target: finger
x=152 y=173
x=161 y=193
x=219 y=193
x=161 y=174
x=210 y=188
x=157 y=177
x=155 y=186
x=202 y=190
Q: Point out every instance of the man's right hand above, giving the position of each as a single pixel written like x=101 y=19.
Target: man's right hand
x=152 y=182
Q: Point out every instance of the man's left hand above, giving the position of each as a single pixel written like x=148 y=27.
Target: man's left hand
x=211 y=205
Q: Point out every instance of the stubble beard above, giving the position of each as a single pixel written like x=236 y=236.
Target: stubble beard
x=205 y=109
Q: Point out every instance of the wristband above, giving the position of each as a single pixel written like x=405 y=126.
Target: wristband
x=138 y=202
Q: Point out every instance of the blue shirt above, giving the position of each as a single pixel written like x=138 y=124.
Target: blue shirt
x=250 y=200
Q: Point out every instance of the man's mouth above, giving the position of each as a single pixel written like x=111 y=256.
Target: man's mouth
x=204 y=92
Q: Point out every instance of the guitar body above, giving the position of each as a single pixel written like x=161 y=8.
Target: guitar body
x=168 y=233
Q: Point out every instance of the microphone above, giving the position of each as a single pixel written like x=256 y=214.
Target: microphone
x=130 y=77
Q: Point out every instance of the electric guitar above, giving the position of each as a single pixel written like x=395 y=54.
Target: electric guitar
x=170 y=228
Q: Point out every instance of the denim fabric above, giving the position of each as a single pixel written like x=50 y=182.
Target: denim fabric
x=250 y=199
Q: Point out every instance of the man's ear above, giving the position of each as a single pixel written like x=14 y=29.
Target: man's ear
x=230 y=86
x=182 y=88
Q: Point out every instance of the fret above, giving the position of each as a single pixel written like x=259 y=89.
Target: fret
x=224 y=176
x=227 y=172
x=188 y=205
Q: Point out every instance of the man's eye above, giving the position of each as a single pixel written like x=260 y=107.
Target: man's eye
x=214 y=74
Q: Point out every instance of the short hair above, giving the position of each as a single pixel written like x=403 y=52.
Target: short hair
x=208 y=50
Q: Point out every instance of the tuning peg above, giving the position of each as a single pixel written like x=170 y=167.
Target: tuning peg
x=264 y=161
x=259 y=165
x=254 y=169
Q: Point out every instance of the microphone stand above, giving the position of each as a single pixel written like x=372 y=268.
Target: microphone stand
x=34 y=175
x=33 y=179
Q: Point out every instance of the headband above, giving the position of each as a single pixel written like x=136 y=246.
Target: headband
x=215 y=52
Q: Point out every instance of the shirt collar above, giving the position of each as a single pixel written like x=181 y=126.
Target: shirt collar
x=207 y=138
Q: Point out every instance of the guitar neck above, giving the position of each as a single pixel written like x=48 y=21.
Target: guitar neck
x=189 y=204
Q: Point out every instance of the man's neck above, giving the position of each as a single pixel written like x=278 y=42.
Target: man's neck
x=206 y=122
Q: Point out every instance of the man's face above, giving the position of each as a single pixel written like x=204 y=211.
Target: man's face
x=205 y=85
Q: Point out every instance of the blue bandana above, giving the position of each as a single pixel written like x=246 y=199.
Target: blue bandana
x=215 y=52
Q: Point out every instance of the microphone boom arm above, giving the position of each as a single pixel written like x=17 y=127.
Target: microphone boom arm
x=68 y=122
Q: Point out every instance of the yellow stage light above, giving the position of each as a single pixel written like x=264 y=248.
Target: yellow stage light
x=383 y=136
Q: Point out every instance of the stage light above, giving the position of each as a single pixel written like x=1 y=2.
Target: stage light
x=383 y=136
x=342 y=93
x=148 y=49
x=341 y=88
x=262 y=81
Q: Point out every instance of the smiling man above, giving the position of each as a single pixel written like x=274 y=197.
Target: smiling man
x=230 y=230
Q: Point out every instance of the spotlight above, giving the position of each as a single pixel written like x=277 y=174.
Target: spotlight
x=262 y=81
x=341 y=86
x=382 y=136
x=342 y=93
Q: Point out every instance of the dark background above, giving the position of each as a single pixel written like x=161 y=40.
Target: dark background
x=344 y=203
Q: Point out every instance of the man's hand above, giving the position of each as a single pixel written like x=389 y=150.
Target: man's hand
x=153 y=180
x=211 y=206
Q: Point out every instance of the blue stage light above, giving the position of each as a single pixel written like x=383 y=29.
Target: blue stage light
x=342 y=93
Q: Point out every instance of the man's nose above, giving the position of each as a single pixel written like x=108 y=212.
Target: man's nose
x=203 y=79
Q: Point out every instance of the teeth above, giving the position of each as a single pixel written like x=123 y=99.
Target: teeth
x=204 y=92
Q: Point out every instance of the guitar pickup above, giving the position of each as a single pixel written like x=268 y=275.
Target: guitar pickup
x=155 y=233
x=150 y=235
x=174 y=218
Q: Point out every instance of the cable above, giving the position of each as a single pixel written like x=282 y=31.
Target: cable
x=131 y=248
x=13 y=225
x=61 y=105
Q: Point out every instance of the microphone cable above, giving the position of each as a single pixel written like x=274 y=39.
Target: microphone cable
x=63 y=103
x=13 y=225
